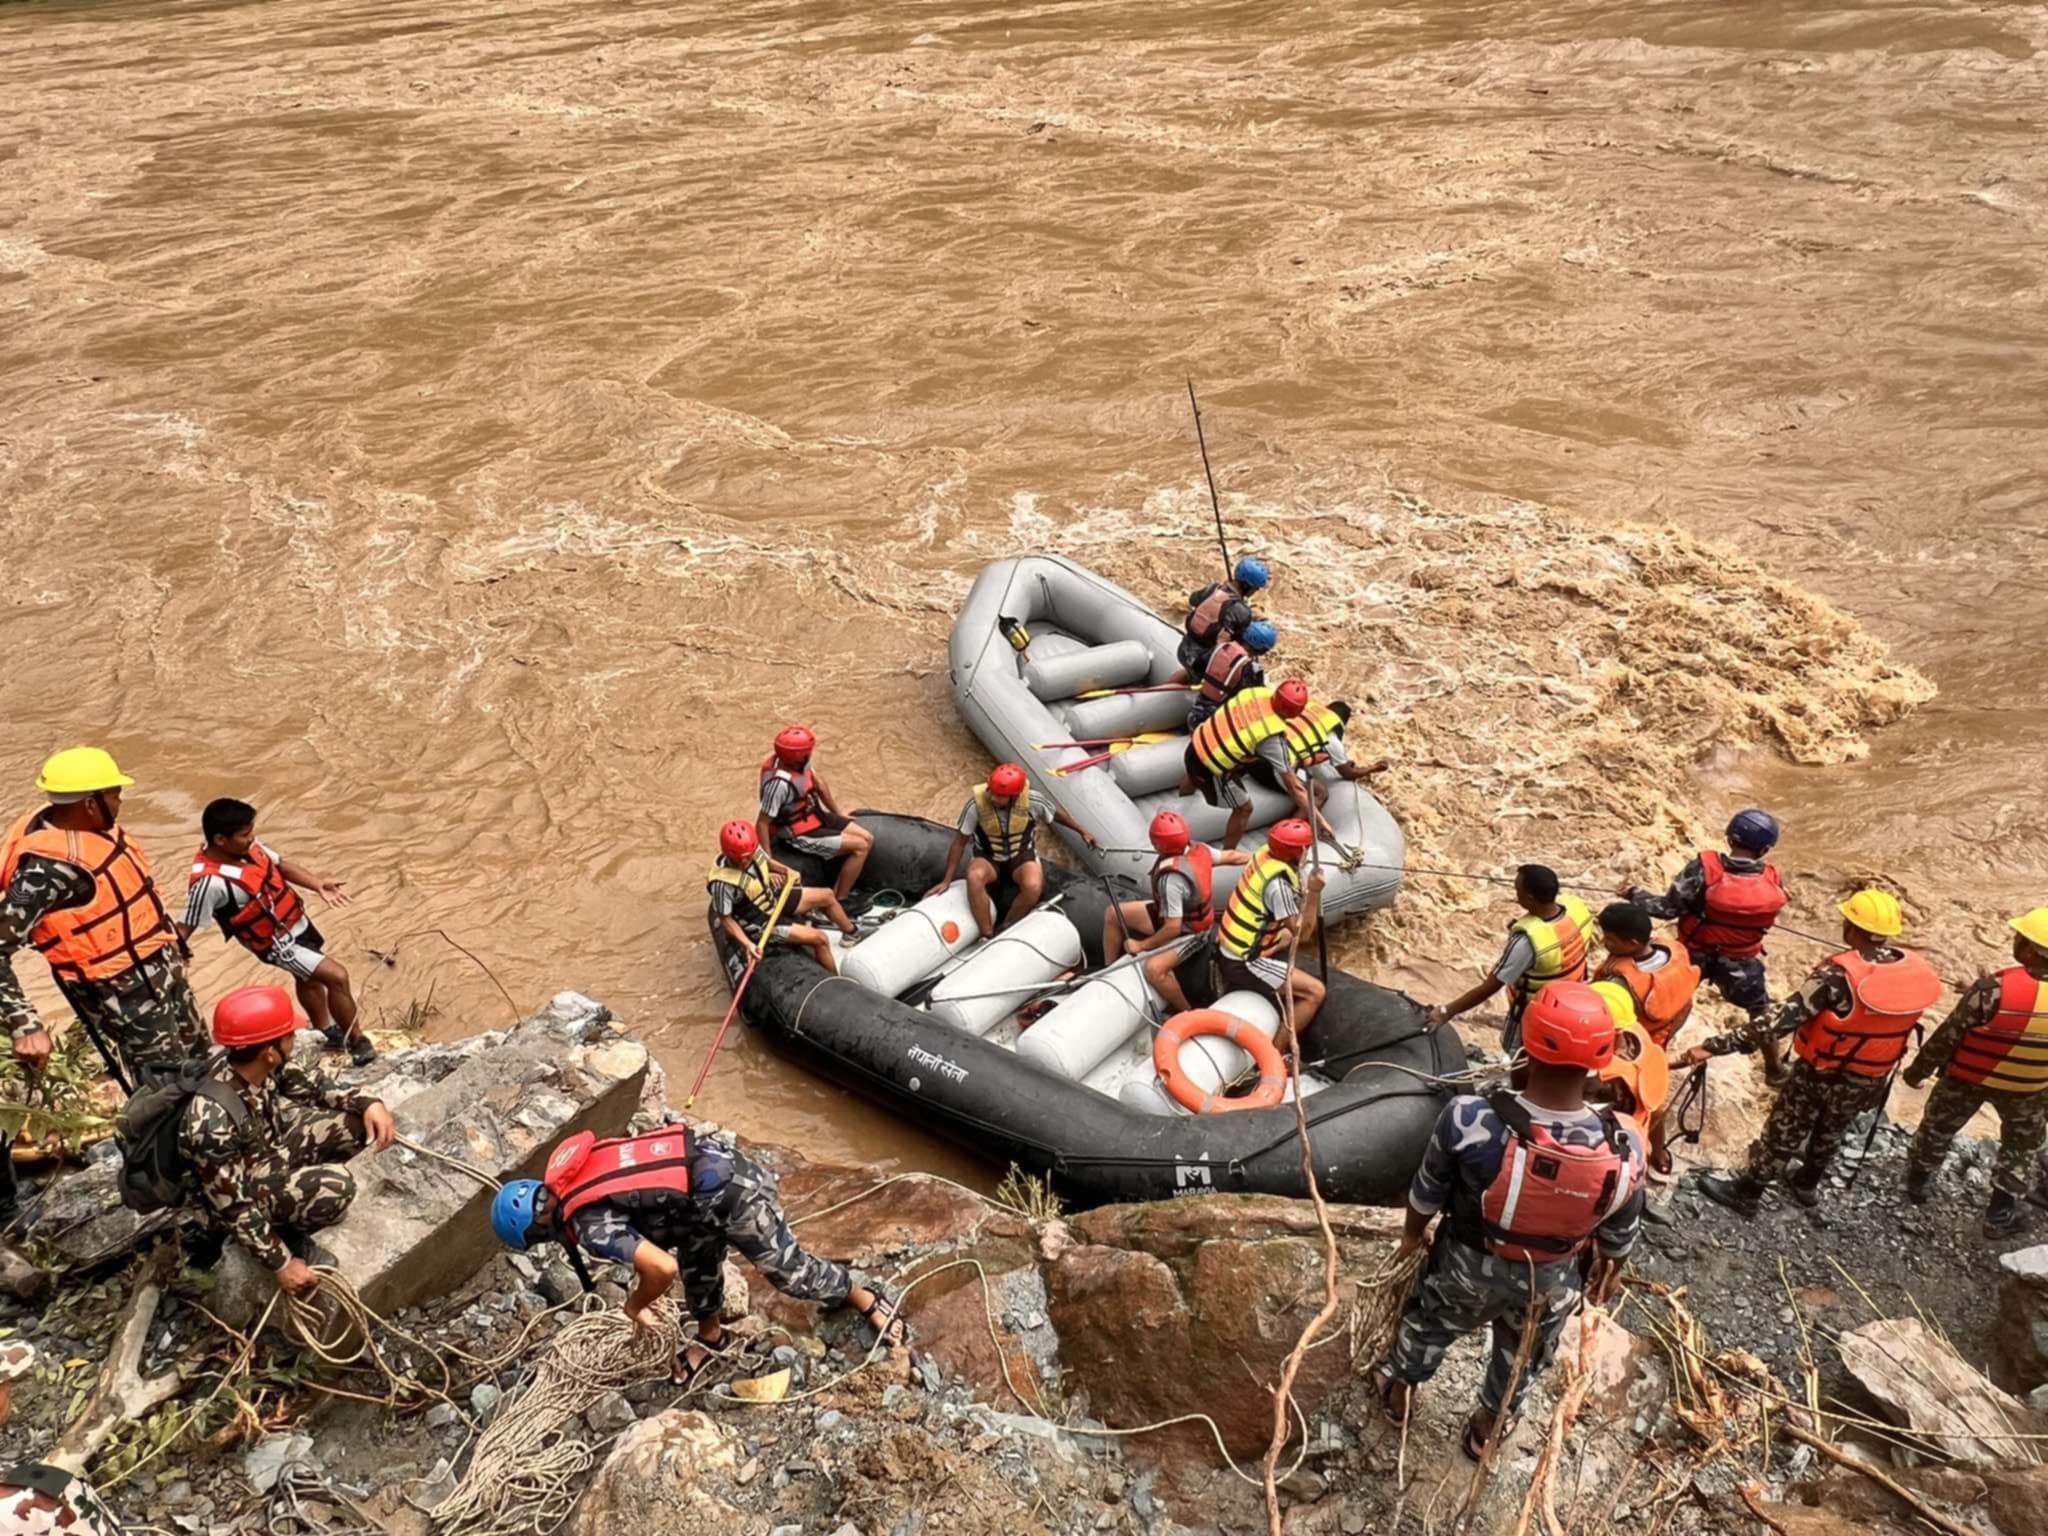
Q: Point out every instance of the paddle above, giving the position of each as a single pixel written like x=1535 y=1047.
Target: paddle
x=740 y=991
x=1089 y=741
x=1122 y=746
x=1111 y=693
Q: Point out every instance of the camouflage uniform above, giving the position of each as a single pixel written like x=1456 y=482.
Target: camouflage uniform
x=1814 y=1109
x=280 y=1172
x=146 y=1014
x=38 y=1500
x=1741 y=982
x=732 y=1203
x=2022 y=1117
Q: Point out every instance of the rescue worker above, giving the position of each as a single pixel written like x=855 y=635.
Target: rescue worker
x=1314 y=736
x=1660 y=981
x=1546 y=945
x=797 y=806
x=1180 y=914
x=1268 y=907
x=1232 y=667
x=247 y=888
x=1206 y=614
x=1992 y=1049
x=1220 y=753
x=263 y=1136
x=1726 y=904
x=745 y=885
x=1527 y=1182
x=670 y=1204
x=1002 y=818
x=1849 y=1024
x=36 y=1498
x=77 y=887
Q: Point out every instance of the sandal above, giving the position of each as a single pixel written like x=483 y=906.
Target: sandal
x=892 y=1328
x=1474 y=1442
x=685 y=1374
x=1392 y=1387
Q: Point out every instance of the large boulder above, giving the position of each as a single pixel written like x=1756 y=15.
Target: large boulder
x=654 y=1481
x=2019 y=1358
x=1927 y=1386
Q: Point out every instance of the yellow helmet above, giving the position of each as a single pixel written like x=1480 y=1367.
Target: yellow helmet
x=1875 y=912
x=2033 y=927
x=80 y=771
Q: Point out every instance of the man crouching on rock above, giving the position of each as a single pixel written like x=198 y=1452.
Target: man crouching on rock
x=1532 y=1180
x=264 y=1170
x=670 y=1204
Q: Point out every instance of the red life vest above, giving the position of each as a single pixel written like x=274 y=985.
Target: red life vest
x=273 y=908
x=802 y=815
x=1207 y=614
x=1199 y=865
x=1740 y=907
x=1888 y=1002
x=1222 y=677
x=1549 y=1198
x=583 y=1170
x=2009 y=1050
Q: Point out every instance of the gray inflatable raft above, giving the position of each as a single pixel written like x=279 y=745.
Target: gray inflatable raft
x=1090 y=635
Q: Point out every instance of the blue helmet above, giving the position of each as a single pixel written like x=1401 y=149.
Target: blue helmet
x=513 y=1211
x=1251 y=574
x=1753 y=829
x=1260 y=636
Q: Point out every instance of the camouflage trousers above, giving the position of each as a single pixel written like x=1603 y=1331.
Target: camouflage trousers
x=35 y=1499
x=746 y=1215
x=296 y=1181
x=1465 y=1289
x=1740 y=982
x=2022 y=1127
x=146 y=1015
x=1808 y=1120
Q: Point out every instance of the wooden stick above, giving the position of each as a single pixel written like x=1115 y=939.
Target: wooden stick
x=122 y=1394
x=1748 y=1493
x=1905 y=1495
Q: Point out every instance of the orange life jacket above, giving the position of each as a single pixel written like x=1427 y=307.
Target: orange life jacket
x=1230 y=737
x=802 y=816
x=1227 y=664
x=1888 y=1001
x=1740 y=907
x=1206 y=615
x=1198 y=864
x=121 y=926
x=2009 y=1050
x=1663 y=997
x=1548 y=1198
x=583 y=1170
x=273 y=908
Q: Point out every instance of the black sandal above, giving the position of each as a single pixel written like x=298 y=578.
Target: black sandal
x=683 y=1373
x=892 y=1328
x=1474 y=1443
x=1390 y=1386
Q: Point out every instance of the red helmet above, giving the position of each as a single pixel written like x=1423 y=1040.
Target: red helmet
x=1568 y=1024
x=1169 y=833
x=794 y=745
x=1006 y=780
x=737 y=842
x=254 y=1016
x=1290 y=698
x=1290 y=839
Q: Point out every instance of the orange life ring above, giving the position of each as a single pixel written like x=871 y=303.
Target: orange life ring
x=1194 y=1024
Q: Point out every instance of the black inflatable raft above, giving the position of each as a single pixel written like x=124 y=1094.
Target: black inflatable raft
x=1368 y=1125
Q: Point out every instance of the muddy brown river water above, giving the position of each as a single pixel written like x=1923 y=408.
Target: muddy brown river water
x=467 y=430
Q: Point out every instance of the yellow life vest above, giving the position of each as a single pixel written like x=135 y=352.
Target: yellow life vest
x=1229 y=737
x=756 y=885
x=2009 y=1050
x=1247 y=923
x=1308 y=731
x=1560 y=945
x=1005 y=829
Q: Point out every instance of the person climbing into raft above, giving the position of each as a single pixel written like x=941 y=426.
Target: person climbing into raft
x=1849 y=1024
x=1660 y=981
x=1268 y=907
x=671 y=1203
x=263 y=1137
x=1180 y=914
x=1726 y=905
x=1992 y=1049
x=1002 y=818
x=1527 y=1181
x=247 y=888
x=797 y=806
x=1206 y=608
x=745 y=886
x=1233 y=666
x=1219 y=755
x=1546 y=945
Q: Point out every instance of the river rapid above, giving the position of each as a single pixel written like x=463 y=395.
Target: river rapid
x=469 y=430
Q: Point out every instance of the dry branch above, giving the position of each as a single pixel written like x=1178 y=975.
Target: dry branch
x=122 y=1394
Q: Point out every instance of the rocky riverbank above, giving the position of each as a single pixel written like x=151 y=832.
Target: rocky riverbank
x=1072 y=1372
